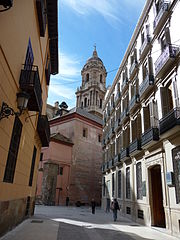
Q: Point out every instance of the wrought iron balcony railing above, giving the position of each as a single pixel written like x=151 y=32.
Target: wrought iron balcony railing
x=152 y=134
x=135 y=146
x=164 y=61
x=134 y=100
x=124 y=115
x=125 y=153
x=161 y=17
x=117 y=98
x=43 y=130
x=133 y=69
x=146 y=85
x=124 y=84
x=111 y=163
x=30 y=83
x=144 y=47
x=117 y=159
x=117 y=124
x=170 y=120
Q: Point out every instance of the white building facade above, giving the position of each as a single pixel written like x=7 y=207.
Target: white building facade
x=141 y=135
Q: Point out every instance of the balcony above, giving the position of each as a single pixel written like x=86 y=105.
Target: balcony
x=149 y=137
x=171 y=120
x=111 y=132
x=117 y=125
x=106 y=166
x=111 y=163
x=161 y=18
x=133 y=102
x=41 y=12
x=30 y=83
x=117 y=98
x=145 y=47
x=133 y=69
x=135 y=146
x=124 y=84
x=117 y=159
x=112 y=108
x=43 y=130
x=125 y=153
x=146 y=85
x=124 y=115
x=165 y=60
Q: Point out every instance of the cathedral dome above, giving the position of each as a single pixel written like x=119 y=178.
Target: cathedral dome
x=94 y=61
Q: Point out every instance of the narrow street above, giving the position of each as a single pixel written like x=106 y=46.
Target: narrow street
x=72 y=223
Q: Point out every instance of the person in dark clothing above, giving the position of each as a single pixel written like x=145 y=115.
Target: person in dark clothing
x=115 y=207
x=67 y=201
x=107 y=205
x=93 y=206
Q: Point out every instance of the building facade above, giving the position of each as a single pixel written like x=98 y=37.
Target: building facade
x=54 y=171
x=141 y=133
x=85 y=132
x=28 y=55
x=90 y=95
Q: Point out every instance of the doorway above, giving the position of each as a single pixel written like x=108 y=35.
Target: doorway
x=157 y=209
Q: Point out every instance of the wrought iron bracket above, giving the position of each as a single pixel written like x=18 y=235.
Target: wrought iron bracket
x=6 y=111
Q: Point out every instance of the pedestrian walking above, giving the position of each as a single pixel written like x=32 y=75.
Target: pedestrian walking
x=93 y=206
x=67 y=201
x=107 y=205
x=115 y=207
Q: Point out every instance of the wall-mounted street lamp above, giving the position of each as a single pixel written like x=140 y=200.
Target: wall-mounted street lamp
x=22 y=101
x=7 y=4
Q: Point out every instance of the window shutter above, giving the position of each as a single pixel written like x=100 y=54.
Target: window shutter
x=150 y=65
x=164 y=100
x=167 y=36
x=139 y=129
x=146 y=118
x=151 y=110
x=176 y=95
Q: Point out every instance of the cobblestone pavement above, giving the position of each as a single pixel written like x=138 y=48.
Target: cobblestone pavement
x=72 y=223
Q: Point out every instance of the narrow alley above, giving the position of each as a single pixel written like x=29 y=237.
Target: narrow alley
x=78 y=223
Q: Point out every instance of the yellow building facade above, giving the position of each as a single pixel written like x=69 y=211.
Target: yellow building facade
x=28 y=55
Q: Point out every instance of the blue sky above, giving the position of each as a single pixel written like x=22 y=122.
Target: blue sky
x=82 y=23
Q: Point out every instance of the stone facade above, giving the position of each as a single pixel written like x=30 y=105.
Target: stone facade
x=85 y=131
x=90 y=96
x=141 y=135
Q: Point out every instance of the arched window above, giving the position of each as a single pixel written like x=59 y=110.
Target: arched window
x=87 y=77
x=100 y=78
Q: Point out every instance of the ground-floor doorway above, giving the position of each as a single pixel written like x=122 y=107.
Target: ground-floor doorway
x=156 y=197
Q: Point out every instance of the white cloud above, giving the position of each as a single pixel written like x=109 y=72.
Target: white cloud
x=62 y=91
x=112 y=10
x=108 y=9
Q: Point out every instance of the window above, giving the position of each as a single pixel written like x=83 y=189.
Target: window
x=100 y=103
x=119 y=184
x=60 y=170
x=85 y=132
x=32 y=166
x=176 y=165
x=85 y=102
x=139 y=180
x=100 y=78
x=128 y=191
x=99 y=138
x=13 y=151
x=113 y=185
x=87 y=77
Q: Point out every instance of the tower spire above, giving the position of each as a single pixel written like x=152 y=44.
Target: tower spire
x=95 y=52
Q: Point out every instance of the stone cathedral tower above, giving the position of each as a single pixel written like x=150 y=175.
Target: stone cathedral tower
x=90 y=95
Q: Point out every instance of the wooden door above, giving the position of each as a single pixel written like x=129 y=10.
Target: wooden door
x=157 y=197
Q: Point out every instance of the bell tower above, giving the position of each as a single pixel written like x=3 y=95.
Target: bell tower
x=90 y=95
